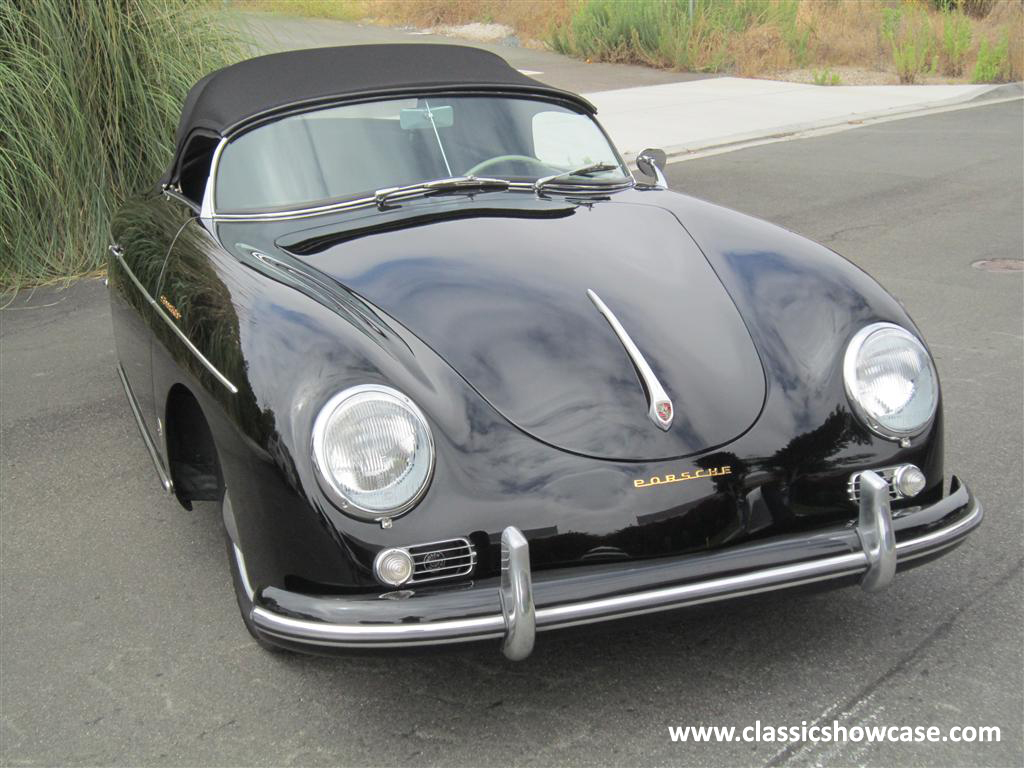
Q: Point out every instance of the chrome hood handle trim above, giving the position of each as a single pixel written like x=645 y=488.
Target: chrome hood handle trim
x=660 y=409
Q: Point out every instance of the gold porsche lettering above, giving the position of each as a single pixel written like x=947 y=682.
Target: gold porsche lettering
x=175 y=312
x=682 y=477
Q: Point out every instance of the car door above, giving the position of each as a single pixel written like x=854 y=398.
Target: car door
x=142 y=234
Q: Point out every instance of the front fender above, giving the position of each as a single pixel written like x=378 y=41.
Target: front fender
x=802 y=303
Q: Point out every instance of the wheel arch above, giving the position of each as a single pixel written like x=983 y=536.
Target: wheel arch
x=192 y=458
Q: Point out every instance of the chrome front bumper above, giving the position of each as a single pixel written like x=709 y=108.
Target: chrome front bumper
x=508 y=610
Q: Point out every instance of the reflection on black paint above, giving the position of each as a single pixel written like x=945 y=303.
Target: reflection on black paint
x=504 y=300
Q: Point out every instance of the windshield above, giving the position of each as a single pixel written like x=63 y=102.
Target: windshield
x=352 y=151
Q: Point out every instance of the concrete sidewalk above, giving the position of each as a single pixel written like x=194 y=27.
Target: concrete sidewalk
x=688 y=117
x=680 y=112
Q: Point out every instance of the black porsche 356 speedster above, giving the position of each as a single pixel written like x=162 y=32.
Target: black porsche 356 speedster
x=453 y=374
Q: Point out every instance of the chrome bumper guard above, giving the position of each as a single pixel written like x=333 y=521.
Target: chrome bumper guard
x=519 y=619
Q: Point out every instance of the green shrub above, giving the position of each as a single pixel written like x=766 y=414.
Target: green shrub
x=956 y=40
x=826 y=77
x=891 y=17
x=912 y=41
x=90 y=99
x=993 y=65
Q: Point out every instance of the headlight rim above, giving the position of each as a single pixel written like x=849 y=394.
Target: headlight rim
x=328 y=484
x=850 y=357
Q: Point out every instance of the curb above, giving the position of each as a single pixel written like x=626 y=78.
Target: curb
x=994 y=94
x=1004 y=91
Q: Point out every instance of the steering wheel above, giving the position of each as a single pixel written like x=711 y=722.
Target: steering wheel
x=493 y=161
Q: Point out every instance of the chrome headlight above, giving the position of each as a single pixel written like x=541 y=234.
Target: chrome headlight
x=890 y=380
x=373 y=451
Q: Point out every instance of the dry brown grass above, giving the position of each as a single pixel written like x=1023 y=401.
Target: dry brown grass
x=845 y=33
x=839 y=33
x=344 y=10
x=760 y=49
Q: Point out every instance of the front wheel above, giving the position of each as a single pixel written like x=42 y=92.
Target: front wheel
x=243 y=591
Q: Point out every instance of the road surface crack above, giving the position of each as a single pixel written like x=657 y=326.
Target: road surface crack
x=939 y=632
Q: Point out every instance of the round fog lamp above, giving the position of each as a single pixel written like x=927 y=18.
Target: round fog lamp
x=393 y=567
x=908 y=480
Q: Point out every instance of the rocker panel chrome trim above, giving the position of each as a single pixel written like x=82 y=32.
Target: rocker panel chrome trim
x=158 y=463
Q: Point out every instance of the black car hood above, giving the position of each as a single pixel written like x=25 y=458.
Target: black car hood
x=502 y=297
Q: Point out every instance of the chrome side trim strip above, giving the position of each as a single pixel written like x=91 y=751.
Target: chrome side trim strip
x=119 y=255
x=874 y=529
x=660 y=409
x=158 y=463
x=604 y=609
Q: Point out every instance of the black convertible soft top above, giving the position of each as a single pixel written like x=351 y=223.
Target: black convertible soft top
x=227 y=99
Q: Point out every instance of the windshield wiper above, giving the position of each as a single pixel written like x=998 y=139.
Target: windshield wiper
x=586 y=170
x=437 y=186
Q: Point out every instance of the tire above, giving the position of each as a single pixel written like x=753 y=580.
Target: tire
x=241 y=595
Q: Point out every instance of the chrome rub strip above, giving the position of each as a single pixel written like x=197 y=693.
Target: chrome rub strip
x=660 y=409
x=119 y=255
x=158 y=463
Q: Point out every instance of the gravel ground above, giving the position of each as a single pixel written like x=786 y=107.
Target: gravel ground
x=860 y=76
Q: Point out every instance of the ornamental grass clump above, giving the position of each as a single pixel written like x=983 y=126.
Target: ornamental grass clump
x=90 y=95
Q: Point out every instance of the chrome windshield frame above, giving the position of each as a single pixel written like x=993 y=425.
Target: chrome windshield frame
x=208 y=209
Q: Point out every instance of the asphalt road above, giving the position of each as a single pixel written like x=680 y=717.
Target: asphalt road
x=120 y=641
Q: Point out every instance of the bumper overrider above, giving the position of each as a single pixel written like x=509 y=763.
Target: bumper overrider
x=520 y=604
